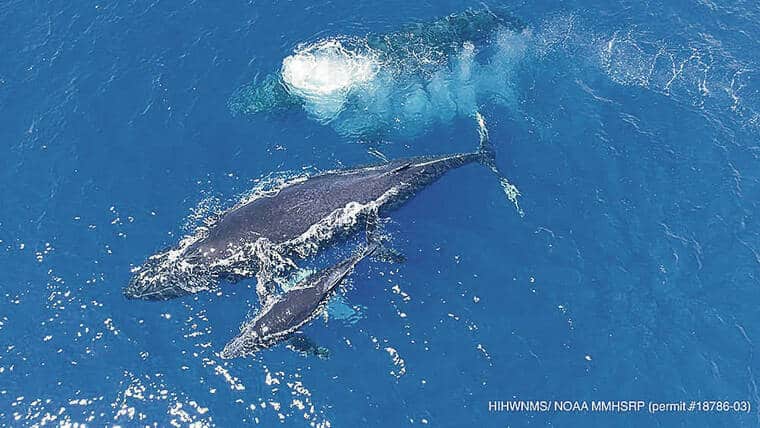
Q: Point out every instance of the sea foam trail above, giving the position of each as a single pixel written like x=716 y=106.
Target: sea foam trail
x=698 y=72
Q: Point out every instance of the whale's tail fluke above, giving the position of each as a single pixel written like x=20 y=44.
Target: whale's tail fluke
x=487 y=156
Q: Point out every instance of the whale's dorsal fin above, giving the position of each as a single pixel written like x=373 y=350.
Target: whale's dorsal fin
x=402 y=167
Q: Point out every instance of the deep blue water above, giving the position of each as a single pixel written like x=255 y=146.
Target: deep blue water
x=634 y=273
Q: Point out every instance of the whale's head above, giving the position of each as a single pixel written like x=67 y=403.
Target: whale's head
x=253 y=338
x=260 y=333
x=243 y=345
x=164 y=276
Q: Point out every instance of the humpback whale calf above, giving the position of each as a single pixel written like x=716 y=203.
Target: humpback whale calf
x=258 y=236
x=284 y=315
x=402 y=81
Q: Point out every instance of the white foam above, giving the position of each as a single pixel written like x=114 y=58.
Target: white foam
x=324 y=73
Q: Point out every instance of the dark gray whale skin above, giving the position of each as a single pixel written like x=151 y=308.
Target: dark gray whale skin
x=290 y=311
x=293 y=210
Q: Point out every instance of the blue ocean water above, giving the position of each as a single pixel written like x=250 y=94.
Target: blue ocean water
x=631 y=131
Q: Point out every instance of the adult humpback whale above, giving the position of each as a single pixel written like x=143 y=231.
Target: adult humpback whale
x=285 y=314
x=403 y=81
x=258 y=236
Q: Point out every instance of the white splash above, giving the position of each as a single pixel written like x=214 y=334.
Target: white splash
x=323 y=75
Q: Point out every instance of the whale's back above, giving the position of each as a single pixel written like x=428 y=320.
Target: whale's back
x=294 y=209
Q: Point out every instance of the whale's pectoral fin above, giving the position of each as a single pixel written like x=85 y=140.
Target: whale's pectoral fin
x=374 y=227
x=302 y=344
